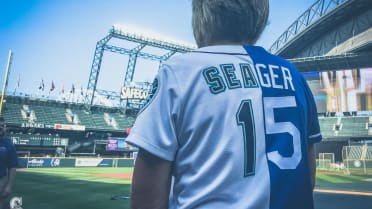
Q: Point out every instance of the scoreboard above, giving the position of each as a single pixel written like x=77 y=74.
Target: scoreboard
x=117 y=144
x=38 y=140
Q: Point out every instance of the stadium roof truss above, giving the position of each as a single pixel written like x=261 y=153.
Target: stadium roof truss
x=347 y=18
x=319 y=9
x=330 y=35
x=141 y=40
x=334 y=62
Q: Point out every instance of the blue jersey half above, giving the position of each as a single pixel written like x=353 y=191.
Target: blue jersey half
x=297 y=193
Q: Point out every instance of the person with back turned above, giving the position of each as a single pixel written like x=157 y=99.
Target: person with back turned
x=8 y=164
x=228 y=125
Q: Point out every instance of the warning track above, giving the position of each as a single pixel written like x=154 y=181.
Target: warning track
x=113 y=175
x=343 y=192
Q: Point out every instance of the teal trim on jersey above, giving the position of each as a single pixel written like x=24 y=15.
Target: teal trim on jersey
x=228 y=71
x=249 y=80
x=245 y=118
x=214 y=80
x=152 y=94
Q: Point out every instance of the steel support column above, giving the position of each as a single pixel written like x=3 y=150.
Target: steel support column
x=94 y=72
x=142 y=41
x=132 y=64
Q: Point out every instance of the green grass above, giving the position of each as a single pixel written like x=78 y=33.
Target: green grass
x=341 y=181
x=342 y=178
x=64 y=188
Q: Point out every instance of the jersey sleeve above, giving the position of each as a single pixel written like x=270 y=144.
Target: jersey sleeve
x=314 y=134
x=154 y=129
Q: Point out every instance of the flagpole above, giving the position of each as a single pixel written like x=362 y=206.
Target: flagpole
x=5 y=82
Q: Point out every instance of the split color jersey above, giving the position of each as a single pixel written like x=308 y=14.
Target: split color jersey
x=236 y=121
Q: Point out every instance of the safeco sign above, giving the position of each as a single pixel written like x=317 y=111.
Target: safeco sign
x=133 y=93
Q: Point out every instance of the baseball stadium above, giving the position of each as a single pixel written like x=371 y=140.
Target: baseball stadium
x=72 y=151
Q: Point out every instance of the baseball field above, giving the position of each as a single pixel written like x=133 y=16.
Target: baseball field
x=109 y=188
x=64 y=188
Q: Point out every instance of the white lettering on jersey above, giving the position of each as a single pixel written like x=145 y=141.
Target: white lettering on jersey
x=271 y=76
x=274 y=76
x=272 y=127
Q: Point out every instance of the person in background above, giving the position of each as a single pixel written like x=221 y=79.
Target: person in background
x=234 y=125
x=8 y=164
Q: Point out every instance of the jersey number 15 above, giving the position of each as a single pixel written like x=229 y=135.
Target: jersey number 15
x=245 y=118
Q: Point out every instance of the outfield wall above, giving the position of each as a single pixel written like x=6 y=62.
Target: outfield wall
x=47 y=162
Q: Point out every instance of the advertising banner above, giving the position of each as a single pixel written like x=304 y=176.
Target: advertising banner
x=69 y=127
x=37 y=162
x=93 y=162
x=45 y=162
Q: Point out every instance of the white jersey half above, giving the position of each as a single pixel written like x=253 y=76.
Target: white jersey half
x=236 y=122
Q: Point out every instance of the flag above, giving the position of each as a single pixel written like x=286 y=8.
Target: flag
x=19 y=80
x=52 y=87
x=81 y=91
x=41 y=87
x=72 y=89
x=63 y=89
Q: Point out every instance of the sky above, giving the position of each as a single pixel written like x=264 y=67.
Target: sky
x=55 y=40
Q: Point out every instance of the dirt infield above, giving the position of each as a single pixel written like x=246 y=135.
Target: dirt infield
x=114 y=175
x=343 y=192
x=339 y=172
x=330 y=172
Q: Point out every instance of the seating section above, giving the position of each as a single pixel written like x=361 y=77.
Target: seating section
x=20 y=110
x=49 y=115
x=350 y=126
x=12 y=113
x=327 y=126
x=354 y=126
x=124 y=121
x=98 y=120
x=17 y=111
x=84 y=117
